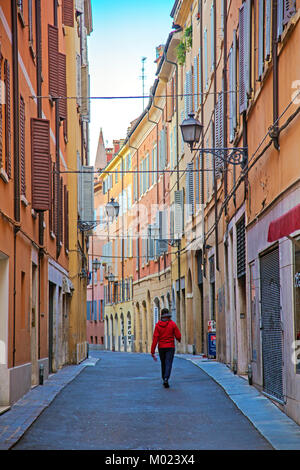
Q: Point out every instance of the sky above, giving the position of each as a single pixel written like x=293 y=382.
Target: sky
x=123 y=33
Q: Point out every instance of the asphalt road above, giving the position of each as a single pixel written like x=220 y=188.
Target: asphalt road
x=120 y=403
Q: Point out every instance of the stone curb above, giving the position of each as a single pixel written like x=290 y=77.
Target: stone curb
x=277 y=428
x=15 y=422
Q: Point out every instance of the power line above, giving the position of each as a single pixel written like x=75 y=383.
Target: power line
x=179 y=95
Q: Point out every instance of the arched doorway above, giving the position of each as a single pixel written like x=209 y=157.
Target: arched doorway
x=112 y=336
x=122 y=333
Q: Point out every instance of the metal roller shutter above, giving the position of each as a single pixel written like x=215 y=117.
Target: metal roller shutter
x=271 y=324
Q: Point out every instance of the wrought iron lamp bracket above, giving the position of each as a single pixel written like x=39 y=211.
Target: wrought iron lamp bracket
x=231 y=155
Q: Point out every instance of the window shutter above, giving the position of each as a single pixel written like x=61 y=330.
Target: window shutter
x=22 y=145
x=248 y=14
x=88 y=193
x=279 y=18
x=219 y=131
x=268 y=29
x=7 y=119
x=163 y=231
x=41 y=164
x=212 y=35
x=190 y=92
x=196 y=100
x=261 y=14
x=62 y=86
x=151 y=241
x=289 y=9
x=84 y=110
x=190 y=188
x=68 y=12
x=197 y=183
x=53 y=60
x=242 y=59
x=205 y=59
x=78 y=79
x=178 y=213
x=234 y=82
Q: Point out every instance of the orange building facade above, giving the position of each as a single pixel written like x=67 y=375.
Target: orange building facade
x=35 y=284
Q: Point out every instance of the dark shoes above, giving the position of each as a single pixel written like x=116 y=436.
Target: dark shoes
x=166 y=383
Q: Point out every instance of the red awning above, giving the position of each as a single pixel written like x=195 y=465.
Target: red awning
x=284 y=225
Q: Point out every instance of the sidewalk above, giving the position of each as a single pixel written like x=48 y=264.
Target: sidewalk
x=21 y=415
x=280 y=430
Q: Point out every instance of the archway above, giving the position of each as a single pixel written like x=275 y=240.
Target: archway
x=122 y=333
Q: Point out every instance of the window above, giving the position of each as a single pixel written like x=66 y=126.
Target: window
x=22 y=145
x=297 y=302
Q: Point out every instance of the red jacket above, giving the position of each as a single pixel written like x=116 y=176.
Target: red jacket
x=164 y=333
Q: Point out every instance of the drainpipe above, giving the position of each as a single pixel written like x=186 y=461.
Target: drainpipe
x=225 y=93
x=39 y=115
x=215 y=179
x=16 y=154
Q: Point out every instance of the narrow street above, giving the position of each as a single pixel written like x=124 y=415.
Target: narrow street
x=120 y=403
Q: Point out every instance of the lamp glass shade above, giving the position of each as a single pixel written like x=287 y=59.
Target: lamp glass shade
x=96 y=264
x=191 y=130
x=112 y=208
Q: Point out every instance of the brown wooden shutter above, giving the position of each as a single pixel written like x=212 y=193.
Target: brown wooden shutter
x=40 y=164
x=7 y=119
x=22 y=145
x=62 y=86
x=289 y=9
x=66 y=217
x=53 y=60
x=68 y=12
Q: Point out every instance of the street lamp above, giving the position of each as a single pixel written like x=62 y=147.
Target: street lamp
x=96 y=264
x=112 y=208
x=191 y=130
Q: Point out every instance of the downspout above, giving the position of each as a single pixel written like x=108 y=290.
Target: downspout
x=16 y=153
x=225 y=95
x=275 y=137
x=39 y=115
x=214 y=143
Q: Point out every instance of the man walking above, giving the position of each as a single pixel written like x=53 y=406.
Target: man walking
x=164 y=333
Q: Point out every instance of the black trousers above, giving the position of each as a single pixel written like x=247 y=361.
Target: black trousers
x=166 y=358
